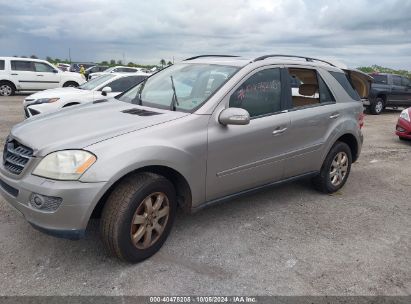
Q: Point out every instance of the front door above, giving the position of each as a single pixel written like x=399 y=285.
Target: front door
x=47 y=76
x=248 y=156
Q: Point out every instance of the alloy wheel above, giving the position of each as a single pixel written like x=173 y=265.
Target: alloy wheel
x=5 y=90
x=150 y=220
x=339 y=168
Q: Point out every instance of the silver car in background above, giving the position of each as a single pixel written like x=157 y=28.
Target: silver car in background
x=196 y=133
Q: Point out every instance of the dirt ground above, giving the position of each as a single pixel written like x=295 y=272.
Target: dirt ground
x=288 y=240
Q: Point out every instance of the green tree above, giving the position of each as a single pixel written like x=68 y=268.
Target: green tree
x=169 y=63
x=34 y=57
x=112 y=62
x=49 y=59
x=119 y=62
x=162 y=62
x=130 y=64
x=104 y=63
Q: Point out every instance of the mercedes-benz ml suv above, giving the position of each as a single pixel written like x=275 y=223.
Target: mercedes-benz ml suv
x=198 y=132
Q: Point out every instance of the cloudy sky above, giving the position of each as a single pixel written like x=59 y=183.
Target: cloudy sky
x=356 y=32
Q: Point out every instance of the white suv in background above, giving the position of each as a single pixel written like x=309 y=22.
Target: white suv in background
x=26 y=74
x=116 y=69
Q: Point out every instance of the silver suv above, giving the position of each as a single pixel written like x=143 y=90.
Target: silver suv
x=205 y=130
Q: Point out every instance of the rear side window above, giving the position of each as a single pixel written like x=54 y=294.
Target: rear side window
x=260 y=94
x=343 y=81
x=396 y=80
x=405 y=81
x=1 y=64
x=19 y=65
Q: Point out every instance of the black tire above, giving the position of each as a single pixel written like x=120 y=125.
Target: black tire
x=323 y=181
x=70 y=84
x=7 y=88
x=122 y=205
x=377 y=106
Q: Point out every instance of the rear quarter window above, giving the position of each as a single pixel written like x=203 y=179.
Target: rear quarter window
x=1 y=64
x=343 y=81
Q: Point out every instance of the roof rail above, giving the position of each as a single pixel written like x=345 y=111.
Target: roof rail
x=200 y=56
x=308 y=59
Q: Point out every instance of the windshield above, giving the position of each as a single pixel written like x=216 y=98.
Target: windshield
x=193 y=84
x=95 y=82
x=109 y=70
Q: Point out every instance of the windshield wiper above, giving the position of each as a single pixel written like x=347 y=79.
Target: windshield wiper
x=174 y=100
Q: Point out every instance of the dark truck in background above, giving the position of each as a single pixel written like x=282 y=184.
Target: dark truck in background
x=388 y=90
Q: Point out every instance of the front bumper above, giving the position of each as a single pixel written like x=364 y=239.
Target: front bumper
x=70 y=219
x=403 y=128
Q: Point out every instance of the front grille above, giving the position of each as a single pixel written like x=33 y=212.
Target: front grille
x=9 y=189
x=16 y=156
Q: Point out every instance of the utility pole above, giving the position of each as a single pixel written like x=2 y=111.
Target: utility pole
x=70 y=55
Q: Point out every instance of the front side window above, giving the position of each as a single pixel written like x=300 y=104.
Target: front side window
x=260 y=94
x=343 y=81
x=381 y=79
x=1 y=64
x=42 y=67
x=19 y=65
x=95 y=82
x=191 y=82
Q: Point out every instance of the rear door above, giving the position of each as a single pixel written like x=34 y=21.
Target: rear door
x=407 y=90
x=24 y=75
x=48 y=77
x=398 y=94
x=313 y=112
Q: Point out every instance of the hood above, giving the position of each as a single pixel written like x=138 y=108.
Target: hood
x=59 y=92
x=84 y=125
x=360 y=81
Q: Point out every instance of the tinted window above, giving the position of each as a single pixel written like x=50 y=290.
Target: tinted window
x=260 y=94
x=124 y=83
x=325 y=93
x=18 y=65
x=405 y=81
x=396 y=80
x=128 y=70
x=42 y=67
x=380 y=78
x=343 y=81
x=1 y=64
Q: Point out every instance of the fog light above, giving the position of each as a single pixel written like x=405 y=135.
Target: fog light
x=45 y=203
x=399 y=129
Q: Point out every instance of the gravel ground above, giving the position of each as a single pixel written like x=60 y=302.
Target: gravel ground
x=289 y=240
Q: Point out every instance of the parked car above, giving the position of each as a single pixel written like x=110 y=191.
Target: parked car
x=388 y=90
x=199 y=132
x=26 y=74
x=116 y=69
x=63 y=66
x=94 y=69
x=75 y=66
x=403 y=128
x=101 y=87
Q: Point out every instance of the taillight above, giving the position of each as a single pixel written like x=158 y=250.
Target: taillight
x=361 y=120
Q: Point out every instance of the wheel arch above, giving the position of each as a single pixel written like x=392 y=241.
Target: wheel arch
x=10 y=82
x=181 y=185
x=352 y=142
x=65 y=83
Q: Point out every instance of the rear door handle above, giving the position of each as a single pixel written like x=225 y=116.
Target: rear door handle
x=334 y=115
x=41 y=75
x=14 y=74
x=279 y=131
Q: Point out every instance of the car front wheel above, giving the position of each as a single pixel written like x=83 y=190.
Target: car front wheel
x=377 y=106
x=138 y=216
x=335 y=169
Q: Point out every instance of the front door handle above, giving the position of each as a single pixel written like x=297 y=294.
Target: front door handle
x=279 y=131
x=41 y=75
x=14 y=74
x=334 y=115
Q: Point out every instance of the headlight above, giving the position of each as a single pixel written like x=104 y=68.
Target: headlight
x=65 y=165
x=405 y=115
x=46 y=100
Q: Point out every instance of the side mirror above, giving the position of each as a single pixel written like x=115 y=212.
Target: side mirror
x=105 y=90
x=55 y=71
x=234 y=116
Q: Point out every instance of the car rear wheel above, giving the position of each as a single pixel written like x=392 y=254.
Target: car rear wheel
x=335 y=169
x=377 y=106
x=138 y=216
x=6 y=89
